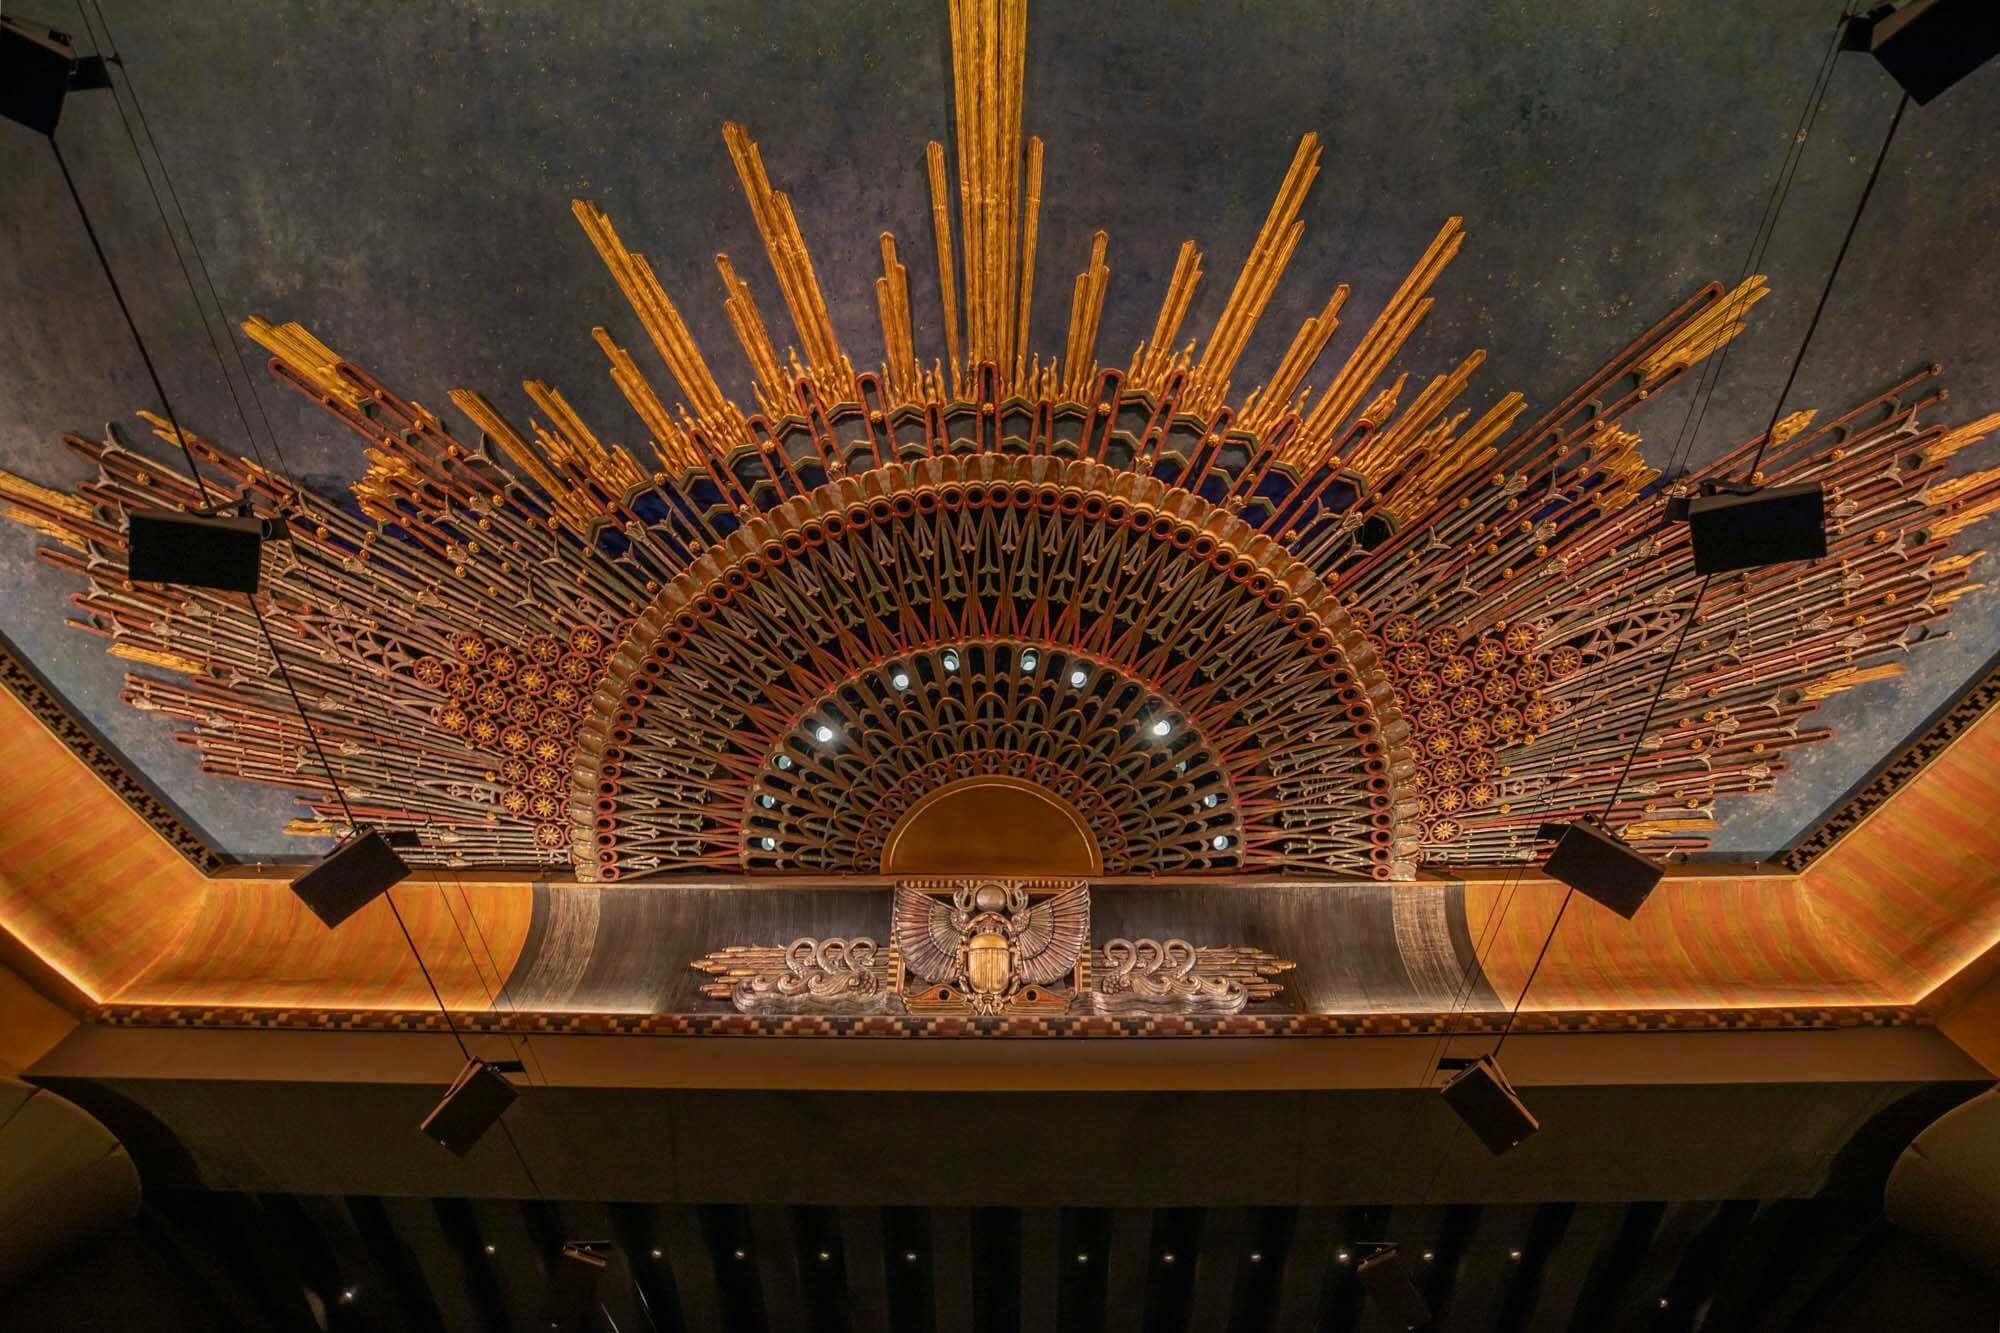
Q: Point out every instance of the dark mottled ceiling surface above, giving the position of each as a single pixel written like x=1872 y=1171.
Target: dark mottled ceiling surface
x=397 y=177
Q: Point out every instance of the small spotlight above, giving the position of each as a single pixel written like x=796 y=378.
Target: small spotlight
x=347 y=1295
x=901 y=680
x=1029 y=661
x=1663 y=1302
x=490 y=1249
x=1344 y=1256
x=1077 y=678
x=1256 y=1256
x=1209 y=800
x=1163 y=728
x=768 y=844
x=950 y=661
x=768 y=801
x=909 y=1256
x=824 y=1256
x=1514 y=1255
x=784 y=761
x=1220 y=842
x=1083 y=1256
x=823 y=733
x=741 y=1255
x=1167 y=1258
x=1428 y=1256
x=657 y=1254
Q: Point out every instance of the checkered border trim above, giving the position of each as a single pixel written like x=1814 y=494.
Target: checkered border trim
x=1024 y=1026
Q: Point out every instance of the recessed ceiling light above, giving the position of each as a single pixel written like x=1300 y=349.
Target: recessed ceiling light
x=1209 y=800
x=1167 y=1258
x=656 y=1254
x=739 y=1254
x=824 y=1256
x=950 y=661
x=822 y=733
x=1162 y=727
x=768 y=844
x=901 y=680
x=1083 y=1256
x=1078 y=677
x=767 y=800
x=784 y=761
x=1256 y=1256
x=491 y=1250
x=909 y=1256
x=1028 y=661
x=1220 y=842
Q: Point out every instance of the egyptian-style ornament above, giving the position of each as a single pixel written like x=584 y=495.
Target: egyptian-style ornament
x=1341 y=615
x=992 y=947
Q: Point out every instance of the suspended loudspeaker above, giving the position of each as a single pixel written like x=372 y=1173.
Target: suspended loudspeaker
x=572 y=1289
x=1485 y=1101
x=1928 y=45
x=352 y=876
x=1764 y=527
x=1599 y=866
x=1387 y=1280
x=195 y=550
x=37 y=70
x=471 y=1105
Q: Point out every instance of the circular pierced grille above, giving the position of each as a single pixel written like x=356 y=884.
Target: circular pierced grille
x=1095 y=634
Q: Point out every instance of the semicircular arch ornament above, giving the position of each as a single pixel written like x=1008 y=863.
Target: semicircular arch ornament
x=1149 y=655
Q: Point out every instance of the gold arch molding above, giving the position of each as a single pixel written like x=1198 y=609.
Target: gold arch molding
x=992 y=825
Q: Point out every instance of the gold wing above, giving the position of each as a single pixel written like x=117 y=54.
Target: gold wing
x=1053 y=934
x=924 y=935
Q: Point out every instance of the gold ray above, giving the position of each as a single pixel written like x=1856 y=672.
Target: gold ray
x=1085 y=310
x=1703 y=335
x=1959 y=437
x=755 y=339
x=663 y=323
x=309 y=358
x=947 y=270
x=1262 y=268
x=670 y=443
x=577 y=511
x=1307 y=344
x=892 y=297
x=611 y=467
x=1150 y=370
x=1031 y=226
x=1385 y=337
x=792 y=263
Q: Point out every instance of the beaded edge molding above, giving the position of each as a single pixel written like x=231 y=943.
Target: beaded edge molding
x=1011 y=1026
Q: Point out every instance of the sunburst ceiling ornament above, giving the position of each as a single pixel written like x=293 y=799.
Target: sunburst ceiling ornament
x=1342 y=629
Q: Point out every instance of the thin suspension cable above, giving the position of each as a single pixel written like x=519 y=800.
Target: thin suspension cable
x=1798 y=358
x=138 y=340
x=1659 y=691
x=110 y=41
x=1760 y=241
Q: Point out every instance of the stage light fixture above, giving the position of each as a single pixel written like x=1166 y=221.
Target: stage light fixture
x=1600 y=866
x=1386 y=1279
x=1740 y=527
x=571 y=1293
x=350 y=877
x=472 y=1104
x=196 y=550
x=1928 y=45
x=1487 y=1104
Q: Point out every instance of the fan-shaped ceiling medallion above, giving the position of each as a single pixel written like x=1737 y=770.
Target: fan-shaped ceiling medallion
x=1340 y=629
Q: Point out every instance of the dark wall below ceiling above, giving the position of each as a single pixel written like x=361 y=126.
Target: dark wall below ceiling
x=212 y=1263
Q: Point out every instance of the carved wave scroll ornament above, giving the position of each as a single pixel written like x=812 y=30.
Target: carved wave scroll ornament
x=1334 y=624
x=990 y=947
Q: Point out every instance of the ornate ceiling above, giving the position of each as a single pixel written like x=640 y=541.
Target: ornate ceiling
x=1265 y=595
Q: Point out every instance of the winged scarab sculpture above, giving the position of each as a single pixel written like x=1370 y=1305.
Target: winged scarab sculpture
x=992 y=943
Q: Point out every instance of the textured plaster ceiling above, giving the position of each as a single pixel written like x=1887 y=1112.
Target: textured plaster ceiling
x=398 y=179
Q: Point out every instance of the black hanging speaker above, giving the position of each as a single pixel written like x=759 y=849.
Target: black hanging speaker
x=1928 y=45
x=37 y=70
x=1485 y=1101
x=1764 y=527
x=1386 y=1279
x=572 y=1290
x=471 y=1106
x=194 y=550
x=353 y=875
x=1599 y=866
